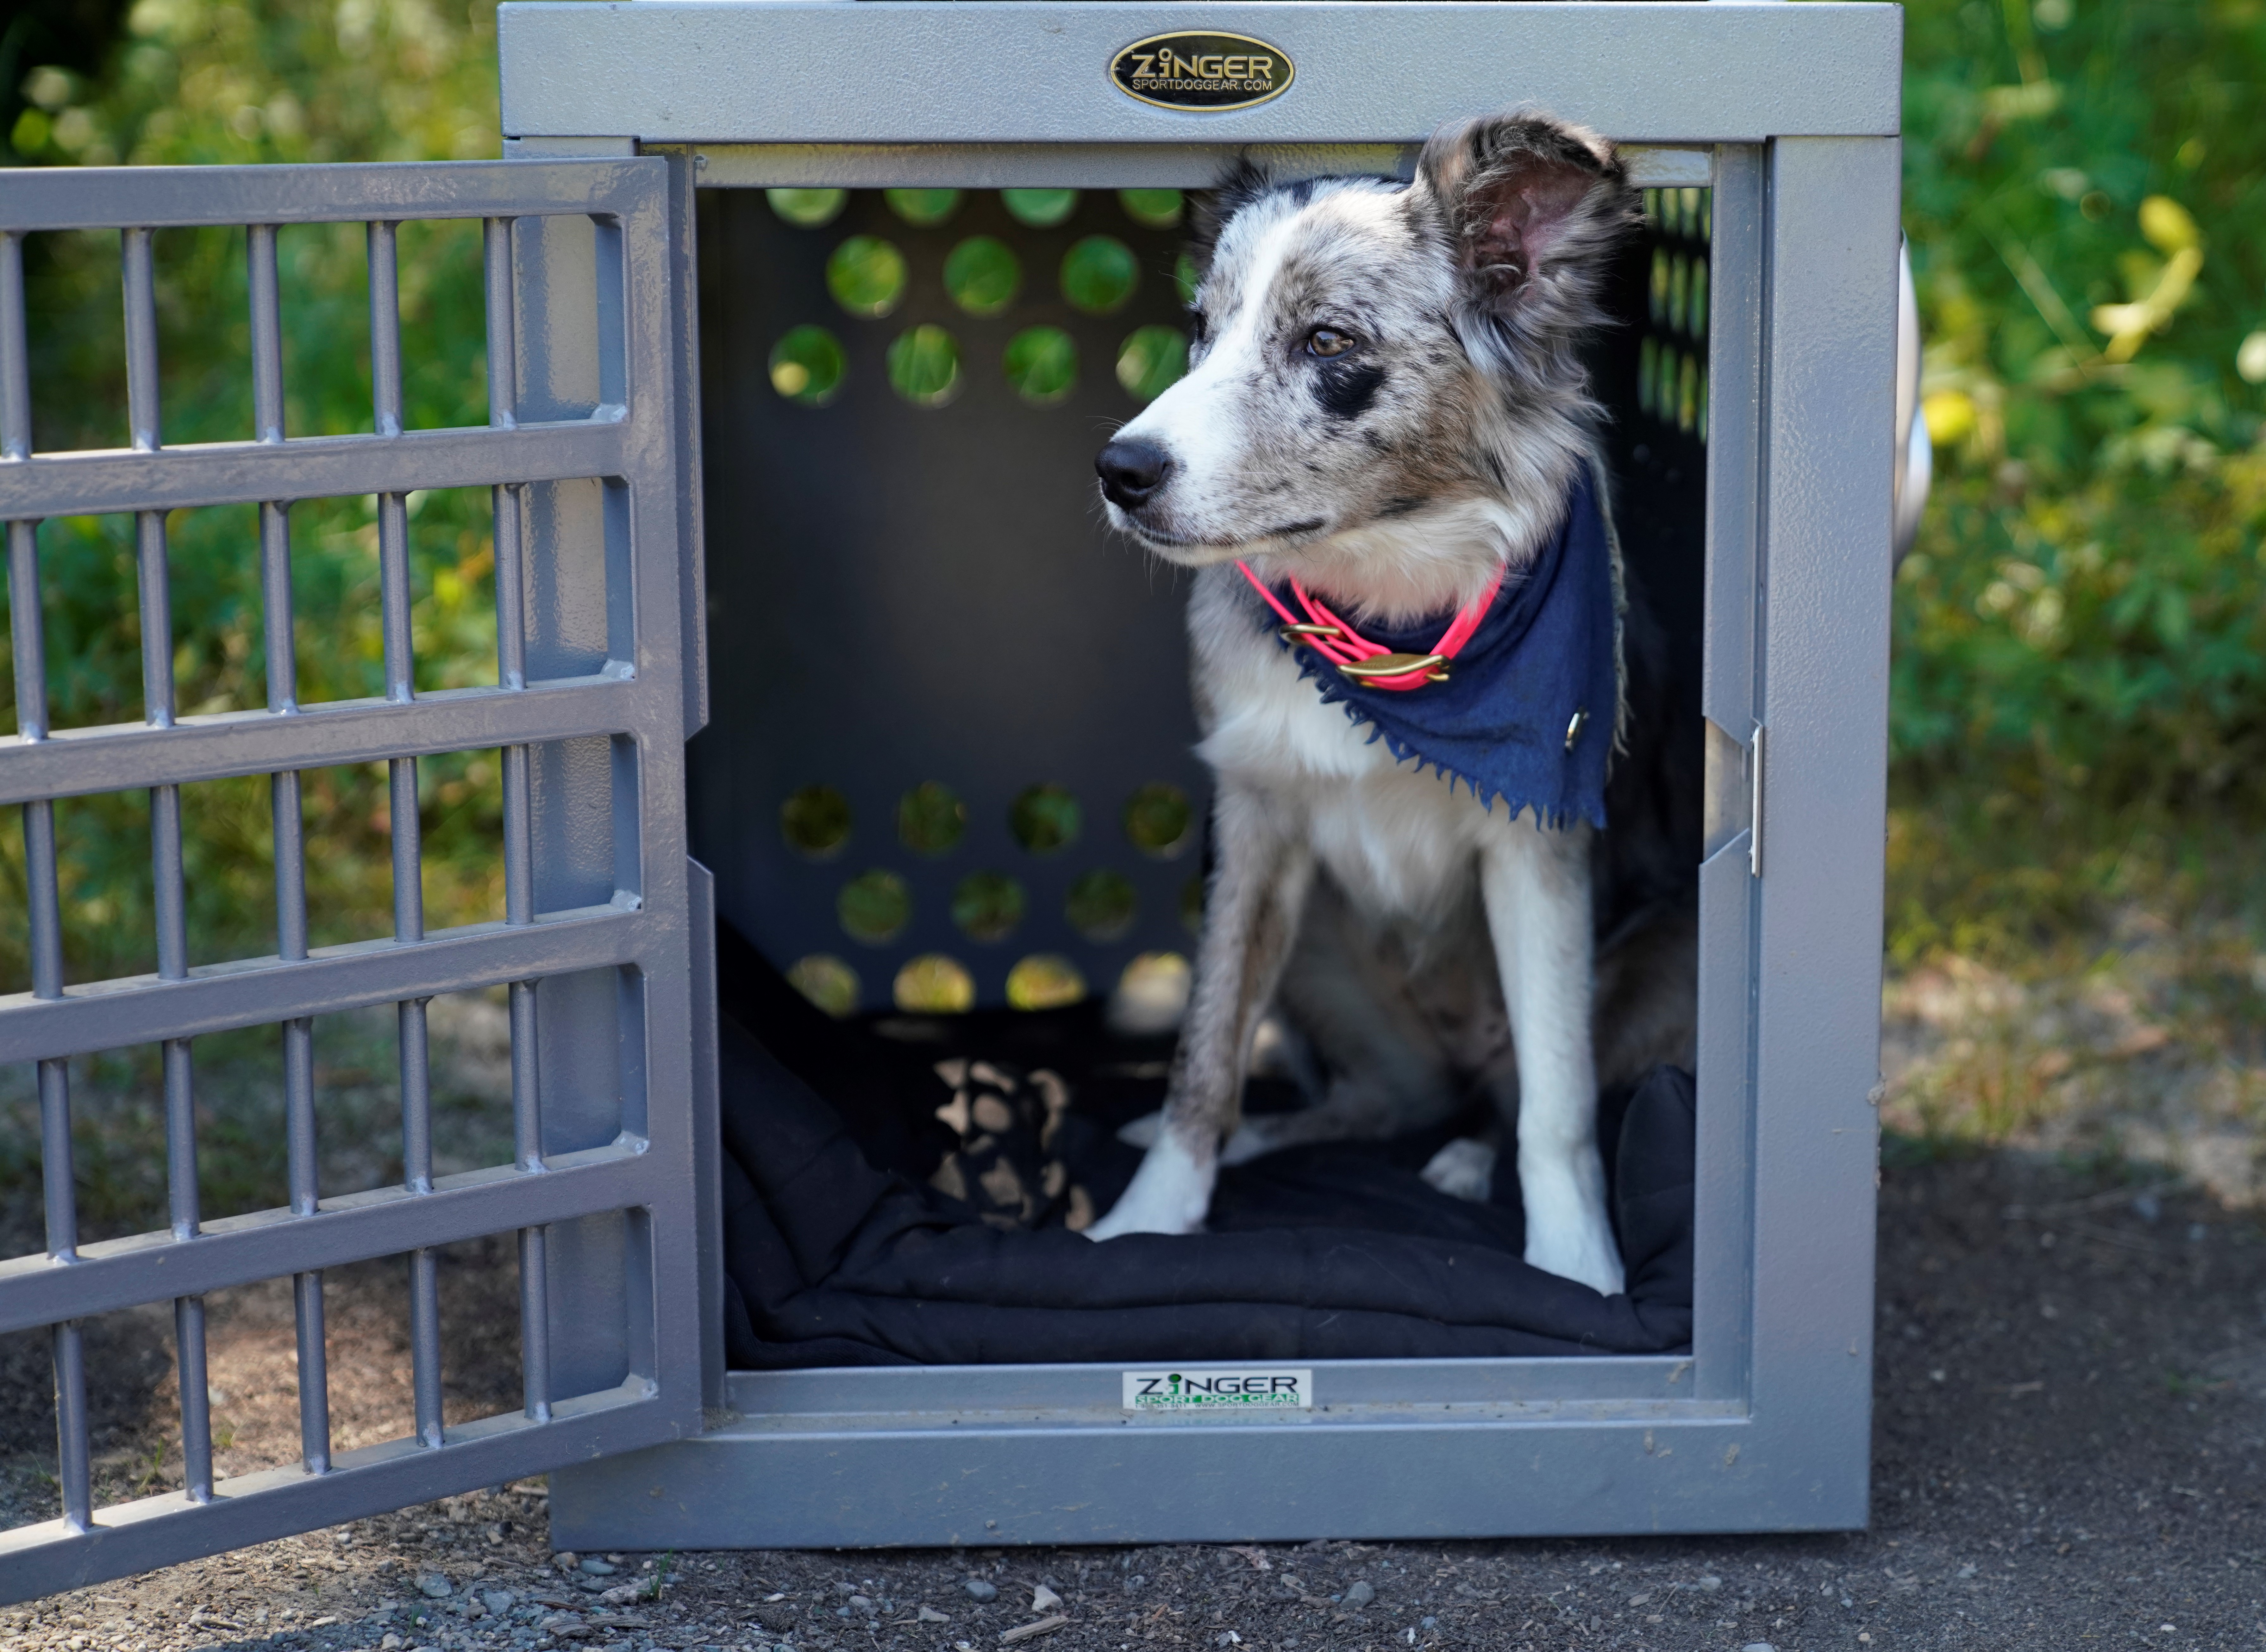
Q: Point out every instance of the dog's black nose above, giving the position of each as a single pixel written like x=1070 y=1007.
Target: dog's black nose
x=1132 y=472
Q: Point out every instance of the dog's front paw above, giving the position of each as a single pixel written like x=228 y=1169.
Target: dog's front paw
x=1567 y=1231
x=1463 y=1169
x=1169 y=1193
x=1587 y=1258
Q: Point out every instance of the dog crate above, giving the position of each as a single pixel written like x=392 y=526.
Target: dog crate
x=883 y=603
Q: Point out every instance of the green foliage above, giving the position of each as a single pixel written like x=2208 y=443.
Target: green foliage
x=208 y=81
x=247 y=81
x=2104 y=639
x=2080 y=632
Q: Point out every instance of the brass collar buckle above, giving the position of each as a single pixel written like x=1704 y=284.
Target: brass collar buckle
x=1434 y=666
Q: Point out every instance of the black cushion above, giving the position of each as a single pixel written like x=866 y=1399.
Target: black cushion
x=838 y=1252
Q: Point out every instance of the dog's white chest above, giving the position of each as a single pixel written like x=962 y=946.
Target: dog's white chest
x=1399 y=843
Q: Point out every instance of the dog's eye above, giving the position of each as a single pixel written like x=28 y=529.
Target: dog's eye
x=1328 y=341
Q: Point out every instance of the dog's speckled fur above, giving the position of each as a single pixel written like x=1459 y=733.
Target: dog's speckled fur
x=1386 y=398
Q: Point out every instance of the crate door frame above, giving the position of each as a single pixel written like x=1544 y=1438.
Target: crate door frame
x=587 y=387
x=1766 y=1425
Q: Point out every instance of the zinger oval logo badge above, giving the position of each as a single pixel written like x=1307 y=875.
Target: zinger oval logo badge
x=1201 y=70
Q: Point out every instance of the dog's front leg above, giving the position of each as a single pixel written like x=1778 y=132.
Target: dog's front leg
x=1535 y=884
x=1259 y=883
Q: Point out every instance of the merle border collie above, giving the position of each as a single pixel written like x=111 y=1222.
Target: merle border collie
x=1452 y=843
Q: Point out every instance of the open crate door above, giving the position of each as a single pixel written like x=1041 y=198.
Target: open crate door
x=603 y=945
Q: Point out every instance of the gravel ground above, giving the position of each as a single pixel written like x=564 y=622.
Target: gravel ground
x=2071 y=1405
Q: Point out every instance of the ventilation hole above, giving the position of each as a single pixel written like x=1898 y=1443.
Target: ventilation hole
x=1708 y=214
x=1648 y=371
x=925 y=365
x=1042 y=364
x=1045 y=818
x=1150 y=360
x=1687 y=394
x=808 y=365
x=1101 y=904
x=983 y=275
x=1151 y=995
x=866 y=275
x=1187 y=276
x=1656 y=305
x=1041 y=208
x=873 y=906
x=827 y=981
x=1157 y=819
x=924 y=208
x=1695 y=308
x=1700 y=419
x=1192 y=904
x=1679 y=292
x=931 y=819
x=815 y=822
x=988 y=905
x=1098 y=274
x=1687 y=214
x=808 y=208
x=1151 y=208
x=934 y=985
x=1044 y=981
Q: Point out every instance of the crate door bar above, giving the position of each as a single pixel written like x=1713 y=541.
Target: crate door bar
x=411 y=1036
x=28 y=640
x=145 y=424
x=276 y=589
x=1723 y=1226
x=510 y=506
x=417 y=1176
x=299 y=1127
x=59 y=1192
x=1829 y=424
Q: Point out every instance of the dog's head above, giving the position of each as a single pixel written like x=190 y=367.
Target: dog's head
x=1367 y=353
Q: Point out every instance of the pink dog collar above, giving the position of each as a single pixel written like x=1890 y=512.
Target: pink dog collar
x=1365 y=662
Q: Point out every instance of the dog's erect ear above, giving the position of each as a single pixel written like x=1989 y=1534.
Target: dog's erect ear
x=1522 y=193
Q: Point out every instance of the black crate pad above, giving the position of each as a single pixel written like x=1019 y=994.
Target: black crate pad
x=838 y=1252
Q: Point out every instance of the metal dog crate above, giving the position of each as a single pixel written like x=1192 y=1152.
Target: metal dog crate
x=632 y=132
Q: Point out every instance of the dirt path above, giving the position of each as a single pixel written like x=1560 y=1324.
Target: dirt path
x=2068 y=1439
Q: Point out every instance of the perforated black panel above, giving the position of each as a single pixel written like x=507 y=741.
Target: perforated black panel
x=1659 y=457
x=902 y=594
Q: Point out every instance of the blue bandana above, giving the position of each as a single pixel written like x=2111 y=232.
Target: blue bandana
x=1545 y=654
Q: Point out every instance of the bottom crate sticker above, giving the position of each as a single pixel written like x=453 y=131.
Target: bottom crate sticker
x=1219 y=1390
